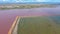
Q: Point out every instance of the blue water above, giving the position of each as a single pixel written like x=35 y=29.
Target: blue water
x=58 y=3
x=30 y=1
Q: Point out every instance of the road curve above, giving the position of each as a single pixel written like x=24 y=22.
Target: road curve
x=8 y=16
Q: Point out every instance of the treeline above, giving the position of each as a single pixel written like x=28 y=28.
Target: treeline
x=26 y=6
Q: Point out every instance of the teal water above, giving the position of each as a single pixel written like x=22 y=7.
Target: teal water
x=56 y=19
x=39 y=25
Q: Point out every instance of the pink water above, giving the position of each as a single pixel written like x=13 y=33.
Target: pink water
x=7 y=17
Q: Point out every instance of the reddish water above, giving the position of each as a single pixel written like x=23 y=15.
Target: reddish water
x=8 y=16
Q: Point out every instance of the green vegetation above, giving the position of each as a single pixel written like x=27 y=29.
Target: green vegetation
x=36 y=25
x=26 y=6
x=56 y=20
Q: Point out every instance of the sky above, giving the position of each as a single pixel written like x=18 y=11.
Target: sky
x=16 y=1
